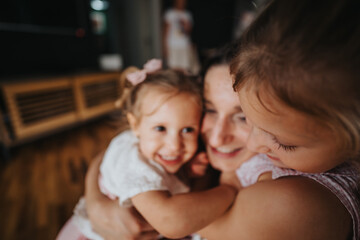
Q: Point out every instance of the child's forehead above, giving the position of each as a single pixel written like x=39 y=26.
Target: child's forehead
x=178 y=111
x=260 y=99
x=154 y=100
x=274 y=116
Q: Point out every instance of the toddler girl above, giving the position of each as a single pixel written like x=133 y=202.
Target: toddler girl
x=163 y=109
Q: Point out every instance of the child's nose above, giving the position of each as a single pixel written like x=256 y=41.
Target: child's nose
x=173 y=142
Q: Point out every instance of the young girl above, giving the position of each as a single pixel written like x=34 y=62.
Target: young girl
x=139 y=166
x=297 y=76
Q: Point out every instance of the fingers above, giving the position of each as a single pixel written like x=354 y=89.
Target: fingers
x=201 y=158
x=198 y=170
x=148 y=235
x=199 y=165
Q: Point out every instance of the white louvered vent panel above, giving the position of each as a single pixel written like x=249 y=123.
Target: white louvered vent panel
x=41 y=105
x=101 y=92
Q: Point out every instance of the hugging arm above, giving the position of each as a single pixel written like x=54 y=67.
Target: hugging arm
x=176 y=216
x=289 y=208
x=107 y=217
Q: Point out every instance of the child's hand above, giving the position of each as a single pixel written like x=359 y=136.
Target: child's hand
x=230 y=178
x=198 y=165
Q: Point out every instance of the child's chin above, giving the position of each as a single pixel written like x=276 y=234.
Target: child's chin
x=172 y=170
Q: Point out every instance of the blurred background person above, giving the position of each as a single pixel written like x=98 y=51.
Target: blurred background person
x=178 y=49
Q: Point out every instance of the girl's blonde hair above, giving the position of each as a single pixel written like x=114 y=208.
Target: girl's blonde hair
x=311 y=63
x=170 y=82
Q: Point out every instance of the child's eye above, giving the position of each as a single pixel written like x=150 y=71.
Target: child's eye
x=287 y=148
x=160 y=128
x=188 y=130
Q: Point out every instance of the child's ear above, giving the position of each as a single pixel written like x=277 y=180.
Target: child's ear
x=133 y=123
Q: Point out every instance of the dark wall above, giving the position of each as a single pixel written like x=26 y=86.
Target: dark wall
x=45 y=38
x=213 y=23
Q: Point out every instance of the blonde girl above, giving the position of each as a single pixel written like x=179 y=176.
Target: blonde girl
x=163 y=109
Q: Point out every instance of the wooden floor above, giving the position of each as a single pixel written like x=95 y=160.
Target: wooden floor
x=44 y=179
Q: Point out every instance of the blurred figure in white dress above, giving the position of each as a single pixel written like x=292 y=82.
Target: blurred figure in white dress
x=178 y=49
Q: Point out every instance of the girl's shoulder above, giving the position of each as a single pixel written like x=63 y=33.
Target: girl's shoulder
x=294 y=208
x=291 y=208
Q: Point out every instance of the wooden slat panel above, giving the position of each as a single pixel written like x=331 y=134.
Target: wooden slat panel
x=36 y=85
x=46 y=125
x=39 y=106
x=40 y=116
x=4 y=133
x=24 y=90
x=44 y=96
x=98 y=94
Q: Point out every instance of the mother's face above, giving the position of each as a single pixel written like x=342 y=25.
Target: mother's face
x=224 y=129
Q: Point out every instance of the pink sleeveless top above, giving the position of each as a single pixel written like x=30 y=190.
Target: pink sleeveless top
x=343 y=181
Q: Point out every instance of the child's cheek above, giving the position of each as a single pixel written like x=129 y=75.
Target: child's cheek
x=146 y=149
x=193 y=147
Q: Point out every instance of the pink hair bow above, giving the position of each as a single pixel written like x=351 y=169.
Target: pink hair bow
x=149 y=67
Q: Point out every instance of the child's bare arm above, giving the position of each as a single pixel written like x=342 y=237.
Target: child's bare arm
x=182 y=214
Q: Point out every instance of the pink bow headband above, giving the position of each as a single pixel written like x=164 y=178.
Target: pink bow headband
x=149 y=67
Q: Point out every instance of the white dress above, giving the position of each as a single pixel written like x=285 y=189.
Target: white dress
x=124 y=174
x=178 y=41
